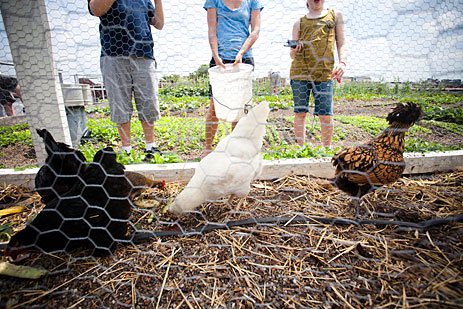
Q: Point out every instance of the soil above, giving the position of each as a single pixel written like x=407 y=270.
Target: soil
x=19 y=155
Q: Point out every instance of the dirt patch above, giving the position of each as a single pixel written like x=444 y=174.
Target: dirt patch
x=17 y=155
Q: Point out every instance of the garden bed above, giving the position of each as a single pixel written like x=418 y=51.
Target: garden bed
x=180 y=132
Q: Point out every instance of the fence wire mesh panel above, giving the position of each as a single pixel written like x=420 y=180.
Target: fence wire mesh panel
x=93 y=95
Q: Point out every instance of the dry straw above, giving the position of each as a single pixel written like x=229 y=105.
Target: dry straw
x=283 y=265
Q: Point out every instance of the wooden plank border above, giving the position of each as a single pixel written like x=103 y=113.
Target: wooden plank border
x=417 y=163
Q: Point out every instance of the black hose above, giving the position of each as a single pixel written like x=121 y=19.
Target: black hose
x=420 y=226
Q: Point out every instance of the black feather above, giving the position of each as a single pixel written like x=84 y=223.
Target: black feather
x=62 y=169
x=405 y=113
x=92 y=214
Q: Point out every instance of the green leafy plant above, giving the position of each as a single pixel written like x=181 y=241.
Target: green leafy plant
x=185 y=90
x=98 y=110
x=420 y=145
x=15 y=134
x=5 y=231
x=453 y=114
x=285 y=151
x=452 y=127
x=23 y=168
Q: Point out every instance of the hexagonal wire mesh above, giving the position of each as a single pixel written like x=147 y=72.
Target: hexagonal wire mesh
x=364 y=237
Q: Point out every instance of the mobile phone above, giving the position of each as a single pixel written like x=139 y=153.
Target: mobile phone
x=292 y=43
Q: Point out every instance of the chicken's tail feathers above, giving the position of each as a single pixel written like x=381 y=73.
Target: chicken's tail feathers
x=51 y=146
x=405 y=113
x=54 y=147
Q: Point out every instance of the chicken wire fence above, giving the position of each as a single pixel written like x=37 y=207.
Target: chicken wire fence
x=104 y=235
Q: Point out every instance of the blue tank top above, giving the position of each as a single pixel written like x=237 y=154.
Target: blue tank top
x=233 y=26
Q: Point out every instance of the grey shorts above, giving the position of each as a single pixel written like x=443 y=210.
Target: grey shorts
x=275 y=80
x=123 y=75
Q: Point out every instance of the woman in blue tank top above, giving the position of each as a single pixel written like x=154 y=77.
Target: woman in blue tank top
x=233 y=27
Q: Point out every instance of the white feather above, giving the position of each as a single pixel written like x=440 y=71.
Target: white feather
x=231 y=167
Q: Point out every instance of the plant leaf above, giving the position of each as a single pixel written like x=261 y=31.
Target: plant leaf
x=20 y=271
x=12 y=210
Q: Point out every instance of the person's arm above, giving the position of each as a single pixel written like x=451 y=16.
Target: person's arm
x=158 y=20
x=212 y=34
x=341 y=46
x=18 y=93
x=252 y=38
x=295 y=36
x=100 y=7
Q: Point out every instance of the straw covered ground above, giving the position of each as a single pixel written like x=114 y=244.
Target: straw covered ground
x=281 y=265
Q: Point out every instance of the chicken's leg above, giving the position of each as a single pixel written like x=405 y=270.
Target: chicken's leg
x=356 y=202
x=240 y=202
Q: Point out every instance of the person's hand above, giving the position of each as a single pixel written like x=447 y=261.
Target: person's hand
x=298 y=47
x=219 y=62
x=294 y=50
x=238 y=58
x=338 y=71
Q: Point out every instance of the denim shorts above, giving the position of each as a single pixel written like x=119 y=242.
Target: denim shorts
x=225 y=61
x=322 y=93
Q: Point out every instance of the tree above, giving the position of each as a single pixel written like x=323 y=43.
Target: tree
x=200 y=73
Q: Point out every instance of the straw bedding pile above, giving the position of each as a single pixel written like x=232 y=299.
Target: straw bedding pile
x=282 y=265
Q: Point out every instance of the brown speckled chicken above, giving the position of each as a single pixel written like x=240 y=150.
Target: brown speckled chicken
x=361 y=169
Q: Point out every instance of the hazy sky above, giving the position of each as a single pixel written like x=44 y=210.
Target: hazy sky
x=387 y=39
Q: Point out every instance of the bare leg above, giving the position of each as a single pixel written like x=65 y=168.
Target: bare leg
x=211 y=128
x=326 y=130
x=299 y=128
x=212 y=123
x=124 y=133
x=9 y=110
x=18 y=93
x=148 y=131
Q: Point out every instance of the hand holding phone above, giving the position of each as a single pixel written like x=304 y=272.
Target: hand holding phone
x=293 y=43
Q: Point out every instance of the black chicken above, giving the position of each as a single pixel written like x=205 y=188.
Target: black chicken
x=93 y=214
x=362 y=169
x=61 y=171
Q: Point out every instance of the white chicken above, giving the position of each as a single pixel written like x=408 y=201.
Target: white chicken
x=230 y=168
